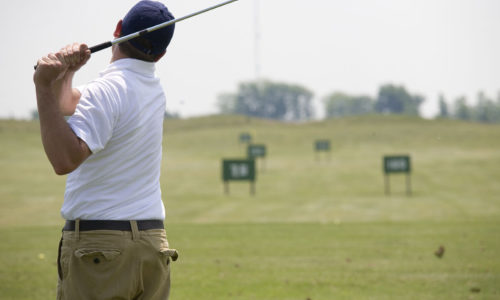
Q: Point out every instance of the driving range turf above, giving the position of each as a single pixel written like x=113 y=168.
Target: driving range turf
x=316 y=228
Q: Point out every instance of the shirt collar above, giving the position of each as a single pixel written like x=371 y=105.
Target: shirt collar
x=135 y=65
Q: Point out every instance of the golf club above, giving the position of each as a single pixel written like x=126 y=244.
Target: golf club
x=122 y=39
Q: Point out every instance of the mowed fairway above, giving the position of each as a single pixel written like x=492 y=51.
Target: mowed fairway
x=316 y=229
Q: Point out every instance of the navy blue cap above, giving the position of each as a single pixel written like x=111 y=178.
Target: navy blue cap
x=146 y=14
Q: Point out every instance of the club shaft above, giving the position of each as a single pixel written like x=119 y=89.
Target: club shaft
x=153 y=28
x=122 y=39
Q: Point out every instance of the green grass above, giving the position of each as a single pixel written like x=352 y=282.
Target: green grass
x=293 y=261
x=314 y=230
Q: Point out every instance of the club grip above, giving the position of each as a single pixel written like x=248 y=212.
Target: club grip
x=100 y=47
x=94 y=49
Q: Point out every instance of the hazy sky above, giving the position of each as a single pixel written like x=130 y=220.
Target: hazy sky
x=430 y=46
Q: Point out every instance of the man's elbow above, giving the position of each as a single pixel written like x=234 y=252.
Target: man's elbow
x=67 y=112
x=63 y=169
x=65 y=166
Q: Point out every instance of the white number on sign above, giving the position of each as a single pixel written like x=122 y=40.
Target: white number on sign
x=257 y=151
x=396 y=164
x=239 y=170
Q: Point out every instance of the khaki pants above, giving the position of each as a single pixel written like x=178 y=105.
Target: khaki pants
x=112 y=264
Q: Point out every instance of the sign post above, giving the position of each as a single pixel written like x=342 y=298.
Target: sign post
x=255 y=151
x=238 y=170
x=397 y=164
x=322 y=146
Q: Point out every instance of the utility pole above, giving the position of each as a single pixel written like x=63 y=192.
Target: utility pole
x=257 y=38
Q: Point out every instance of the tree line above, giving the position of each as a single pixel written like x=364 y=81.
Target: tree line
x=292 y=102
x=391 y=99
x=266 y=99
x=485 y=110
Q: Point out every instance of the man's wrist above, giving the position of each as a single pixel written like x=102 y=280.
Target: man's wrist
x=45 y=96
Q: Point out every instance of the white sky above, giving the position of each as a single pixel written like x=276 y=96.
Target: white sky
x=430 y=46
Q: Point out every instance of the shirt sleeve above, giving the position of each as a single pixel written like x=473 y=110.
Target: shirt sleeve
x=95 y=116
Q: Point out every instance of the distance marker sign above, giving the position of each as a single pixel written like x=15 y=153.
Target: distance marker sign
x=397 y=164
x=238 y=170
x=245 y=138
x=255 y=151
x=322 y=146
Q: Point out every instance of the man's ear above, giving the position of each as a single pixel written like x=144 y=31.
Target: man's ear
x=160 y=56
x=118 y=30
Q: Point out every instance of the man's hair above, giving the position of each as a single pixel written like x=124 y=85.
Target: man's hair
x=129 y=50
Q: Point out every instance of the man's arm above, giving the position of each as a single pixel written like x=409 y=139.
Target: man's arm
x=55 y=97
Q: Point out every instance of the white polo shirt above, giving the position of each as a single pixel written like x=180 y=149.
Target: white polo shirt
x=120 y=117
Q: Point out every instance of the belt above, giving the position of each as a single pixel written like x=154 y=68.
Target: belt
x=87 y=225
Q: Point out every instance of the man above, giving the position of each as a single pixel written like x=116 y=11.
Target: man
x=113 y=244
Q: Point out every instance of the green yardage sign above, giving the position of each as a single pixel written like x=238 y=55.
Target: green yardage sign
x=238 y=169
x=255 y=151
x=245 y=137
x=322 y=145
x=397 y=164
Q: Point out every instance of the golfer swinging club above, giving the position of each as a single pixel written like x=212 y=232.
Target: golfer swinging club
x=113 y=244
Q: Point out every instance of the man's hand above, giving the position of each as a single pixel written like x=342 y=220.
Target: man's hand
x=75 y=55
x=55 y=66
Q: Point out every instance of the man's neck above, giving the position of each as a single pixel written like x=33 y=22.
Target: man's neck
x=117 y=54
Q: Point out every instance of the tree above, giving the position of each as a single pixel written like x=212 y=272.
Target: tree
x=485 y=110
x=226 y=103
x=396 y=100
x=443 y=107
x=339 y=104
x=462 y=111
x=266 y=99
